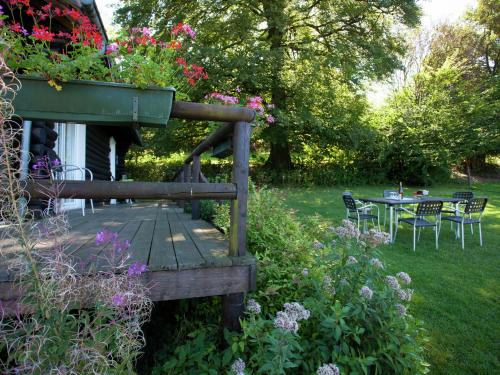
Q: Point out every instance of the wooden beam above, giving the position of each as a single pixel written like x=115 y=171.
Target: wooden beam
x=124 y=190
x=219 y=135
x=211 y=112
x=195 y=204
x=171 y=285
x=241 y=156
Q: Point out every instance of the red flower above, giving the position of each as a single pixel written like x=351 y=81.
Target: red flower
x=181 y=61
x=174 y=44
x=42 y=33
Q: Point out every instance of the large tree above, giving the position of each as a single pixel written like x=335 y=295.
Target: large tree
x=264 y=45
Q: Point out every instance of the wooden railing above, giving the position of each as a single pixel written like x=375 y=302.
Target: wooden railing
x=239 y=134
x=190 y=183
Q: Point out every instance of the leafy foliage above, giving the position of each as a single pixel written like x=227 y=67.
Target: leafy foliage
x=310 y=264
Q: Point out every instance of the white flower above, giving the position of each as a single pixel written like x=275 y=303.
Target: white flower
x=318 y=245
x=366 y=292
x=393 y=282
x=329 y=369
x=405 y=294
x=305 y=272
x=375 y=262
x=253 y=307
x=404 y=277
x=238 y=367
x=296 y=311
x=351 y=260
x=401 y=309
x=285 y=322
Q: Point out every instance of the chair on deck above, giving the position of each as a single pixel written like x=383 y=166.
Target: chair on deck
x=473 y=206
x=66 y=172
x=360 y=213
x=419 y=219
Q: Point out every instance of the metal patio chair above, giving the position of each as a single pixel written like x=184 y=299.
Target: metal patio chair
x=65 y=172
x=361 y=212
x=419 y=219
x=451 y=209
x=474 y=209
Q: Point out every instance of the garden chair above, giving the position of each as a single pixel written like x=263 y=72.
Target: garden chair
x=474 y=210
x=451 y=209
x=67 y=172
x=361 y=212
x=420 y=219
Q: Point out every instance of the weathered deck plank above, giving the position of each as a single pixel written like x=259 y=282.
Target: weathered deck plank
x=162 y=256
x=186 y=258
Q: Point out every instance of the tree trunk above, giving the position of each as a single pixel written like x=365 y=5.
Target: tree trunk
x=276 y=134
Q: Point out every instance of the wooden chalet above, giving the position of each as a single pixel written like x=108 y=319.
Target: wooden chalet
x=186 y=256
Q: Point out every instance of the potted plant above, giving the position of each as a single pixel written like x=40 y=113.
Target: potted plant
x=71 y=74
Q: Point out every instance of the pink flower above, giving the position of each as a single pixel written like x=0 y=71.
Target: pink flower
x=270 y=119
x=113 y=47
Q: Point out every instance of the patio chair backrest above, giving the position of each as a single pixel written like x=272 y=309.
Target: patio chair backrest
x=429 y=208
x=349 y=202
x=465 y=195
x=389 y=193
x=475 y=205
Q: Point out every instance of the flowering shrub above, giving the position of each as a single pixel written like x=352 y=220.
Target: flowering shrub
x=67 y=321
x=326 y=309
x=257 y=103
x=135 y=56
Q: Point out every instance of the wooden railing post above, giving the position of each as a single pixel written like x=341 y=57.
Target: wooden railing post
x=232 y=304
x=241 y=156
x=196 y=204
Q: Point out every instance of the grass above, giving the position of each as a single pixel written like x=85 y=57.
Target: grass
x=456 y=292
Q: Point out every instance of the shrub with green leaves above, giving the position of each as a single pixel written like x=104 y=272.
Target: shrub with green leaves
x=323 y=304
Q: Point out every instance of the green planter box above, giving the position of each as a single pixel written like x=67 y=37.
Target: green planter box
x=93 y=102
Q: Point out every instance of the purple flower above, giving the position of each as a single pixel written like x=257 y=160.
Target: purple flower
x=393 y=282
x=270 y=119
x=401 y=309
x=136 y=269
x=329 y=369
x=238 y=367
x=120 y=246
x=253 y=307
x=238 y=89
x=296 y=311
x=55 y=162
x=375 y=262
x=351 y=260
x=404 y=277
x=318 y=245
x=118 y=300
x=105 y=236
x=100 y=238
x=285 y=322
x=366 y=292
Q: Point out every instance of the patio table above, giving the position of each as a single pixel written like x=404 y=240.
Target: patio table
x=391 y=202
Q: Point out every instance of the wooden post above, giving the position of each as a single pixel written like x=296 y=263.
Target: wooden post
x=232 y=304
x=241 y=156
x=195 y=204
x=186 y=173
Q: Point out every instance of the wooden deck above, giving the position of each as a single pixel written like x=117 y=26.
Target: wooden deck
x=186 y=258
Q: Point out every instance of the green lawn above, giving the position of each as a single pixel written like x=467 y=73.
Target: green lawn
x=456 y=292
